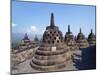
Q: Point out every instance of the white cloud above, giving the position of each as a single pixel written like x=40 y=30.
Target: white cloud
x=32 y=29
x=14 y=25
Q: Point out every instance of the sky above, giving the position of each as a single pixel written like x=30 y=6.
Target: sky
x=32 y=17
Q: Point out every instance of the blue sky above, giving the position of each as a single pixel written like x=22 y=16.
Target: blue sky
x=34 y=17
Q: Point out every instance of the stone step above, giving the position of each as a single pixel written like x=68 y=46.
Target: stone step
x=49 y=62
x=41 y=57
x=49 y=53
x=49 y=68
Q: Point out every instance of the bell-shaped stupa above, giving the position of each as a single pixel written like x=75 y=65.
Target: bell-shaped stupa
x=91 y=39
x=25 y=43
x=52 y=54
x=36 y=39
x=81 y=40
x=70 y=40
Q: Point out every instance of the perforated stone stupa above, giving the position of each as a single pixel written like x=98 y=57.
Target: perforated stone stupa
x=92 y=38
x=81 y=40
x=70 y=40
x=52 y=55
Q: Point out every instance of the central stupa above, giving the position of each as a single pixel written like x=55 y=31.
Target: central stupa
x=52 y=54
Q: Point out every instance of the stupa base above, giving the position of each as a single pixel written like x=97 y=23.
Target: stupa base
x=59 y=67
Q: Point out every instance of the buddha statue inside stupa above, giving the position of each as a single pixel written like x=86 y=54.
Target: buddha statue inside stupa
x=91 y=39
x=70 y=40
x=52 y=54
x=81 y=40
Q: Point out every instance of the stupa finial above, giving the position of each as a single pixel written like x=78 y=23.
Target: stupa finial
x=52 y=20
x=80 y=30
x=91 y=31
x=26 y=35
x=68 y=28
